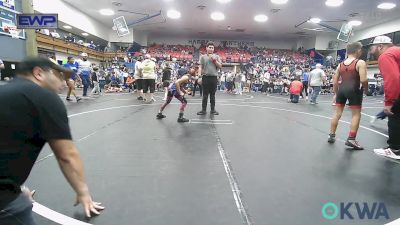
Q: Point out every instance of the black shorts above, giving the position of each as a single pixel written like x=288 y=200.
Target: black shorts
x=139 y=84
x=166 y=83
x=149 y=84
x=355 y=98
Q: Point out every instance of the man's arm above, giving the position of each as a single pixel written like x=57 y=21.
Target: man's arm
x=324 y=78
x=140 y=69
x=200 y=67
x=362 y=70
x=1 y=65
x=336 y=77
x=72 y=167
x=217 y=62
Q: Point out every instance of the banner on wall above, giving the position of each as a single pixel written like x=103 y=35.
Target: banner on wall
x=224 y=43
x=8 y=4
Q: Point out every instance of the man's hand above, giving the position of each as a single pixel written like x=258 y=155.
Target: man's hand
x=181 y=93
x=89 y=205
x=388 y=110
x=28 y=193
x=213 y=59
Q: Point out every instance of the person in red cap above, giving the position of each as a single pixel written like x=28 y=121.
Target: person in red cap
x=389 y=66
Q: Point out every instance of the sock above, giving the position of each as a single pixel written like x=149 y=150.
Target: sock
x=352 y=135
x=181 y=115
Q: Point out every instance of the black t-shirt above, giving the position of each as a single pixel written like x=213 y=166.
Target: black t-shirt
x=166 y=74
x=94 y=76
x=30 y=116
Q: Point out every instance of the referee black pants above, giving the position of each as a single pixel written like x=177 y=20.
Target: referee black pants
x=209 y=88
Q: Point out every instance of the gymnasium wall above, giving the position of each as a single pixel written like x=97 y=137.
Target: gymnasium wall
x=376 y=30
x=306 y=43
x=322 y=41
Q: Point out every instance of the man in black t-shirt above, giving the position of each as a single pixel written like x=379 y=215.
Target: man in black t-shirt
x=31 y=115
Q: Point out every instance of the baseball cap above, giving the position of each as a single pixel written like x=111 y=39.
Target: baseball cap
x=381 y=40
x=318 y=65
x=29 y=63
x=84 y=54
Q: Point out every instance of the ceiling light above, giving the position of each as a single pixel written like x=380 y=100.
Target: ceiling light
x=217 y=16
x=106 y=12
x=279 y=1
x=386 y=5
x=85 y=34
x=334 y=3
x=315 y=20
x=223 y=1
x=261 y=18
x=173 y=14
x=355 y=23
x=67 y=27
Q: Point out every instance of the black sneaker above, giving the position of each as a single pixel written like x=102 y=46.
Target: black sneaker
x=140 y=98
x=182 y=120
x=160 y=116
x=78 y=99
x=215 y=113
x=68 y=99
x=354 y=144
x=201 y=113
x=332 y=138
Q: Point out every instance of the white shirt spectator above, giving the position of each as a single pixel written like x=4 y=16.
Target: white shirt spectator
x=137 y=68
x=85 y=68
x=317 y=77
x=149 y=69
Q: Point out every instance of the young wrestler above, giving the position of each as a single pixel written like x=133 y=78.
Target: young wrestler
x=177 y=90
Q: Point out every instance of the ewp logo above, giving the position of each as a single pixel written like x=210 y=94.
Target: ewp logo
x=331 y=211
x=37 y=21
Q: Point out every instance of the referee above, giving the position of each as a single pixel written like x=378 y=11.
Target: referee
x=208 y=70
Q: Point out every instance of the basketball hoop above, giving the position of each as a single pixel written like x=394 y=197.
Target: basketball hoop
x=15 y=33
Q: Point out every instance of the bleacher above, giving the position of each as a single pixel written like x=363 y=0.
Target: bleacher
x=228 y=54
x=180 y=52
